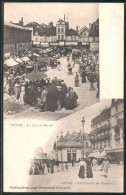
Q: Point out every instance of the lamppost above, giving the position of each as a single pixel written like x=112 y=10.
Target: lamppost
x=83 y=123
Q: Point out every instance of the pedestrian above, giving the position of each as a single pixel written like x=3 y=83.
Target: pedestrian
x=89 y=168
x=43 y=168
x=72 y=162
x=94 y=162
x=48 y=165
x=91 y=79
x=62 y=167
x=82 y=169
x=22 y=94
x=105 y=166
x=83 y=74
x=66 y=166
x=77 y=80
x=17 y=91
x=52 y=167
x=44 y=98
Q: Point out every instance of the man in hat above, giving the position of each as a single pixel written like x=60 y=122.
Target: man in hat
x=44 y=98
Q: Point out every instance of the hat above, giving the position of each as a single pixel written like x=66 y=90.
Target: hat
x=16 y=85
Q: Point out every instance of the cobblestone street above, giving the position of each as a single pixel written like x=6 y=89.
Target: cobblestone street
x=70 y=182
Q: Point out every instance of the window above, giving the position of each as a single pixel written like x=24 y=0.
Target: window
x=116 y=108
x=86 y=144
x=85 y=34
x=93 y=38
x=62 y=30
x=58 y=30
x=62 y=37
x=58 y=37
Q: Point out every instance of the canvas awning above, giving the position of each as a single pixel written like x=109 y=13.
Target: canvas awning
x=35 y=54
x=7 y=54
x=113 y=150
x=18 y=60
x=25 y=59
x=10 y=62
x=94 y=154
x=102 y=155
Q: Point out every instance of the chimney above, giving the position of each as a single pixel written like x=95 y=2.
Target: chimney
x=64 y=17
x=89 y=26
x=77 y=29
x=21 y=22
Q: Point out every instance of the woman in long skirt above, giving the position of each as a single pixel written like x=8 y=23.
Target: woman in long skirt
x=22 y=94
x=82 y=169
x=105 y=166
x=89 y=169
x=83 y=76
x=77 y=80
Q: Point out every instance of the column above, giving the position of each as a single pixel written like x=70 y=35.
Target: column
x=112 y=138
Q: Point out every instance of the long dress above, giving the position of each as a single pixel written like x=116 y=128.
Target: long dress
x=89 y=170
x=22 y=93
x=82 y=169
x=83 y=77
x=76 y=81
x=105 y=166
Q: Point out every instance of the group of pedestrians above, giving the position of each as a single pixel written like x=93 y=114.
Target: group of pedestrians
x=86 y=168
x=44 y=95
x=88 y=69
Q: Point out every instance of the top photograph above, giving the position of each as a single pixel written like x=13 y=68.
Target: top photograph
x=51 y=59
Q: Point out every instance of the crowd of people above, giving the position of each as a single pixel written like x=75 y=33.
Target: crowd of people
x=43 y=94
x=47 y=95
x=86 y=167
x=88 y=68
x=48 y=166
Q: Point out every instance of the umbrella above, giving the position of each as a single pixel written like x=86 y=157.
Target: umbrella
x=35 y=76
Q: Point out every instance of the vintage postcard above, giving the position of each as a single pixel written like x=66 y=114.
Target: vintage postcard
x=63 y=117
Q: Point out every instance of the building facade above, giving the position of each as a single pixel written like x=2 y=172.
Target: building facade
x=117 y=130
x=107 y=134
x=16 y=38
x=94 y=35
x=100 y=133
x=72 y=146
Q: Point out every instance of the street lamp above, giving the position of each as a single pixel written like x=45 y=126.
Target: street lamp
x=83 y=123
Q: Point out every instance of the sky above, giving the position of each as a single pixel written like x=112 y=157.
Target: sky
x=80 y=14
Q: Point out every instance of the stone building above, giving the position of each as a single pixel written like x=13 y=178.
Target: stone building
x=107 y=132
x=94 y=35
x=72 y=146
x=16 y=38
x=100 y=133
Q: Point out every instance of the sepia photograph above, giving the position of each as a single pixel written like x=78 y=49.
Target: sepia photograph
x=86 y=155
x=63 y=101
x=51 y=59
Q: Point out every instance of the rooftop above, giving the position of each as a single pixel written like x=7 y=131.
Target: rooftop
x=15 y=26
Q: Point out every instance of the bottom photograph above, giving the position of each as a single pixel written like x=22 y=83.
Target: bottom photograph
x=83 y=152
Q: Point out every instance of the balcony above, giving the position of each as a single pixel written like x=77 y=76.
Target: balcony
x=102 y=128
x=101 y=137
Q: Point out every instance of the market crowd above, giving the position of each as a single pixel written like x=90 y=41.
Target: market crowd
x=43 y=94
